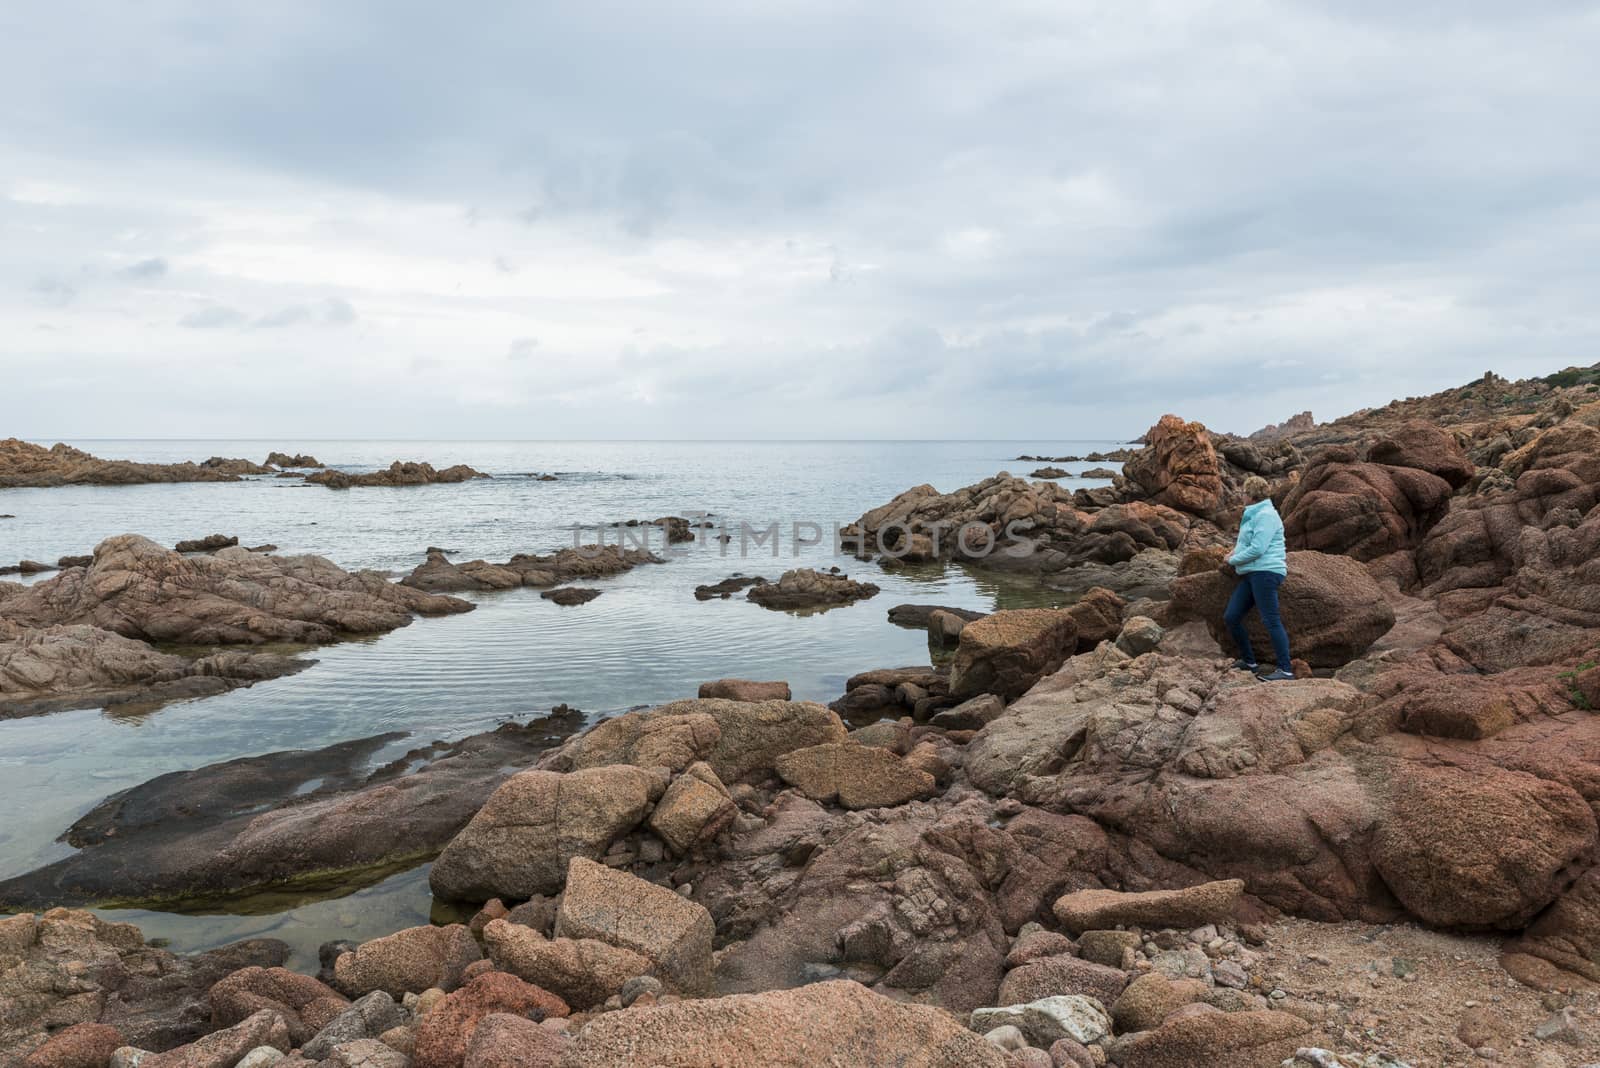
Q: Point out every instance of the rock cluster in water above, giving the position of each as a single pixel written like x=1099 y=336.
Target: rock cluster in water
x=399 y=473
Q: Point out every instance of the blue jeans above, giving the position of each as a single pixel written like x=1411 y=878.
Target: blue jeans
x=1258 y=589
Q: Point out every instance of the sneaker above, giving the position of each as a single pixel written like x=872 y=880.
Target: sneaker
x=1245 y=665
x=1276 y=675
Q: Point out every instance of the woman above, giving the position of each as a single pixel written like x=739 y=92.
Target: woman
x=1259 y=559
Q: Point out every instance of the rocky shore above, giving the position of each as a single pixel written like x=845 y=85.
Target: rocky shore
x=23 y=463
x=1083 y=839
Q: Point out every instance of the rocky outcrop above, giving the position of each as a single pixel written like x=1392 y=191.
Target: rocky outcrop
x=299 y=459
x=208 y=544
x=234 y=466
x=1178 y=467
x=804 y=587
x=23 y=463
x=137 y=589
x=1331 y=606
x=66 y=969
x=305 y=1004
x=727 y=587
x=1427 y=448
x=399 y=473
x=1363 y=510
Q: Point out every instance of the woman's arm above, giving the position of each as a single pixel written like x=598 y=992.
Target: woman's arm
x=1249 y=546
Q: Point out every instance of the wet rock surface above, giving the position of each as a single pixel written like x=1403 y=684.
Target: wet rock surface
x=248 y=823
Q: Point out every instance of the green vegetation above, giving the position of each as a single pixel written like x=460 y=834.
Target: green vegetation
x=1575 y=695
x=1574 y=376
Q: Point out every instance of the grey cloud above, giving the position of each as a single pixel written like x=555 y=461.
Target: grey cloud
x=335 y=311
x=212 y=317
x=53 y=291
x=522 y=348
x=154 y=267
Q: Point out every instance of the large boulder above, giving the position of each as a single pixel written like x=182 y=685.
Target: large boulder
x=520 y=842
x=1178 y=467
x=858 y=776
x=1480 y=847
x=1363 y=510
x=1332 y=607
x=833 y=1023
x=670 y=931
x=408 y=961
x=584 y=972
x=740 y=740
x=1424 y=446
x=1009 y=651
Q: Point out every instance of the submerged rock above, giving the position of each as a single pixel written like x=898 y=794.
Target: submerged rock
x=249 y=823
x=570 y=595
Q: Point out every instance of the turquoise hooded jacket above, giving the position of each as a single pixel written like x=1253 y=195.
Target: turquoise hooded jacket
x=1260 y=544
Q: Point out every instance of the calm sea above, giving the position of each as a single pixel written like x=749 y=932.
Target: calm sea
x=645 y=640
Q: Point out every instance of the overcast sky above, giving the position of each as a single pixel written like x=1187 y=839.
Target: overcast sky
x=783 y=219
